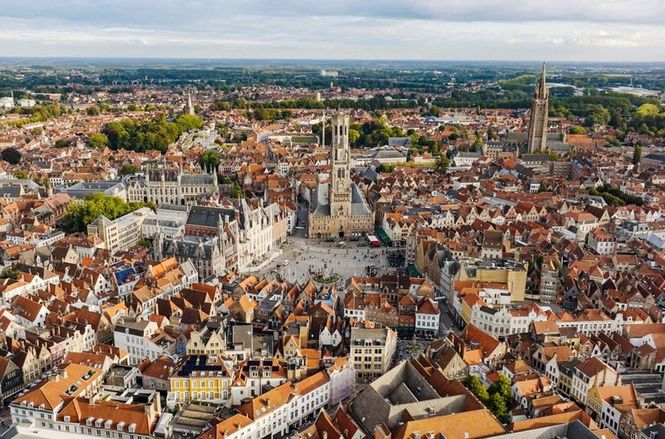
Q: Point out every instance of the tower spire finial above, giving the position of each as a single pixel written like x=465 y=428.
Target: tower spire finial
x=542 y=83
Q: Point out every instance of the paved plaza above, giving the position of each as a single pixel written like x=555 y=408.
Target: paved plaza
x=301 y=256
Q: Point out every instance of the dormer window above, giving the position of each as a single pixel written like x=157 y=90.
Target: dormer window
x=120 y=425
x=131 y=428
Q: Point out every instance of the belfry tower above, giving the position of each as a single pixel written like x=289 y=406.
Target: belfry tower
x=340 y=159
x=538 y=122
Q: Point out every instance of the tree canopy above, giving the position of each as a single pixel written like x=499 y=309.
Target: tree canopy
x=11 y=155
x=637 y=155
x=374 y=133
x=209 y=160
x=128 y=169
x=577 y=129
x=156 y=134
x=9 y=273
x=497 y=397
x=98 y=141
x=615 y=197
x=79 y=215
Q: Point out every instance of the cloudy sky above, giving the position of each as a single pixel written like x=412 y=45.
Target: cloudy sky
x=566 y=30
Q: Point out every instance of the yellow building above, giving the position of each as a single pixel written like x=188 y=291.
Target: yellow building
x=511 y=273
x=196 y=378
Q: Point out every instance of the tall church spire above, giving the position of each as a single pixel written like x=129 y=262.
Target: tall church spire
x=190 y=107
x=541 y=92
x=537 y=140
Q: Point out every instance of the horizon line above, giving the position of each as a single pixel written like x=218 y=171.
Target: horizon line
x=349 y=60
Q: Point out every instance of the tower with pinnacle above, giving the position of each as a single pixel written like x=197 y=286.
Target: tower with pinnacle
x=340 y=159
x=338 y=208
x=537 y=140
x=190 y=106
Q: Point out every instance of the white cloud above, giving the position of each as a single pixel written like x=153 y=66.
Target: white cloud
x=604 y=30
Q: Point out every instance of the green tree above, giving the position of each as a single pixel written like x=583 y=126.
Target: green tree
x=497 y=405
x=442 y=162
x=577 y=129
x=145 y=242
x=491 y=134
x=62 y=143
x=11 y=155
x=616 y=119
x=209 y=160
x=637 y=155
x=502 y=386
x=79 y=215
x=354 y=136
x=21 y=175
x=155 y=134
x=128 y=169
x=236 y=191
x=9 y=273
x=647 y=110
x=477 y=146
x=597 y=115
x=98 y=141
x=476 y=387
x=188 y=122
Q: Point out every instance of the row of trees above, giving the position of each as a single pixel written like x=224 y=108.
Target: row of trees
x=79 y=215
x=594 y=107
x=615 y=197
x=155 y=134
x=38 y=113
x=375 y=103
x=269 y=114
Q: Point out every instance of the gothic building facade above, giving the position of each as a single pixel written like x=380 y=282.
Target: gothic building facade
x=338 y=209
x=226 y=238
x=172 y=186
x=537 y=140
